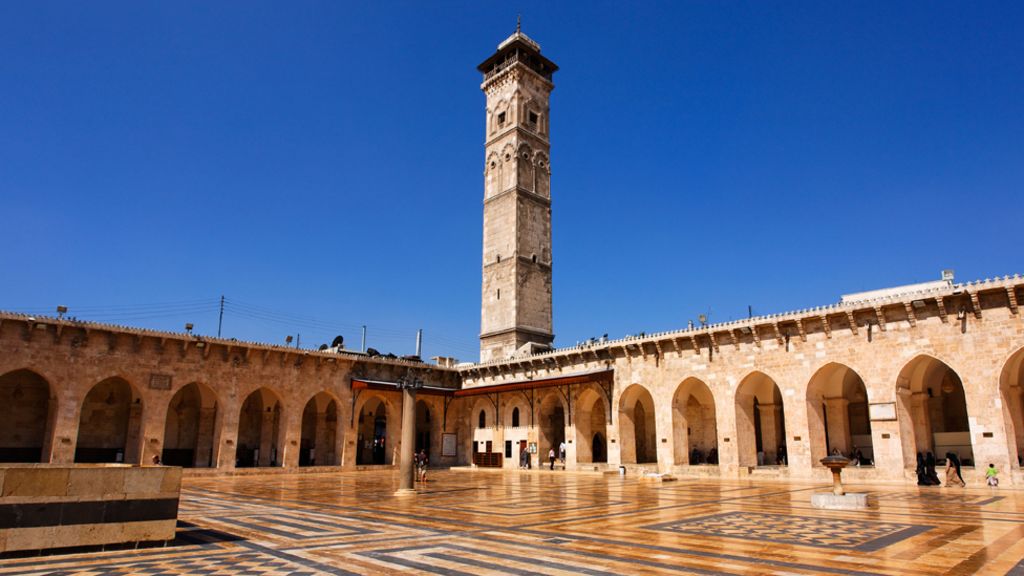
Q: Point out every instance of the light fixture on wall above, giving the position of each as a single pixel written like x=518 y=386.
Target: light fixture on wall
x=110 y=398
x=947 y=387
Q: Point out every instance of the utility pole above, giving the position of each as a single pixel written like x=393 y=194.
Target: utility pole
x=220 y=320
x=298 y=339
x=362 y=347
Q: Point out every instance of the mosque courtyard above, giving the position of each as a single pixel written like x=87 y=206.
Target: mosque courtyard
x=541 y=522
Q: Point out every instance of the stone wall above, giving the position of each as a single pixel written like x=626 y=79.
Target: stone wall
x=941 y=370
x=52 y=506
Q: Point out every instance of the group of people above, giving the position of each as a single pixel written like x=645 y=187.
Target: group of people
x=561 y=455
x=856 y=457
x=697 y=456
x=421 y=460
x=780 y=457
x=524 y=457
x=926 y=475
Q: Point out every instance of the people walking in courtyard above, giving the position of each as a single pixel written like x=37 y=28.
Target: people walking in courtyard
x=953 y=476
x=561 y=452
x=929 y=470
x=990 y=476
x=421 y=466
x=524 y=458
x=551 y=457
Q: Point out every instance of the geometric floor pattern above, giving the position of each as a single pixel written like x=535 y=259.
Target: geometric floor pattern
x=542 y=522
x=833 y=533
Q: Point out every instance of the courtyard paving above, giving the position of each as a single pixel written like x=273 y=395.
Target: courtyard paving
x=541 y=522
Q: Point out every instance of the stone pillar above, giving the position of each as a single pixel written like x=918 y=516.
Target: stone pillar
x=204 y=439
x=266 y=436
x=1016 y=411
x=838 y=425
x=226 y=452
x=771 y=437
x=133 y=444
x=919 y=407
x=663 y=437
x=65 y=429
x=291 y=429
x=320 y=449
x=51 y=431
x=405 y=472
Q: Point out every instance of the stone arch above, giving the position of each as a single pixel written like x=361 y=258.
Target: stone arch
x=591 y=426
x=28 y=408
x=508 y=169
x=932 y=410
x=524 y=167
x=760 y=421
x=552 y=418
x=260 y=433
x=318 y=444
x=515 y=404
x=190 y=426
x=637 y=432
x=501 y=107
x=543 y=174
x=1011 y=390
x=110 y=423
x=492 y=174
x=837 y=414
x=374 y=431
x=694 y=424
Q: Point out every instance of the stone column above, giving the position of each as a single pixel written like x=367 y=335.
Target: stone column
x=1014 y=398
x=320 y=449
x=922 y=421
x=266 y=436
x=405 y=472
x=134 y=442
x=65 y=429
x=838 y=425
x=771 y=437
x=204 y=440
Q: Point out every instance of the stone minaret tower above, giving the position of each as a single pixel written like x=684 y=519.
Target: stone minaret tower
x=516 y=304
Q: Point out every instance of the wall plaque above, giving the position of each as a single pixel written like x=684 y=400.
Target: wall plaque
x=160 y=381
x=448 y=442
x=882 y=412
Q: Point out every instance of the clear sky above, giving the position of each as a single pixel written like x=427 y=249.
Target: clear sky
x=320 y=163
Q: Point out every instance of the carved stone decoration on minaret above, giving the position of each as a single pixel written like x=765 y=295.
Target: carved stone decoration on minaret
x=515 y=313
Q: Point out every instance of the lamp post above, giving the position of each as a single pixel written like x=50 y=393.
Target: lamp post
x=408 y=384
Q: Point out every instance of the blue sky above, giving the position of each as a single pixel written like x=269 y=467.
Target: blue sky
x=320 y=163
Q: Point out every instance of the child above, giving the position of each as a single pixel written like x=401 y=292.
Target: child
x=990 y=475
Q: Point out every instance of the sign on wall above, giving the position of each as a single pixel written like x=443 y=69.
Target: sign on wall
x=160 y=381
x=882 y=412
x=448 y=442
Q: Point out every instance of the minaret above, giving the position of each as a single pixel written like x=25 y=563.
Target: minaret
x=516 y=304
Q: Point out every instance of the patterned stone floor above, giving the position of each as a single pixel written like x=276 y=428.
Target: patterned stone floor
x=556 y=523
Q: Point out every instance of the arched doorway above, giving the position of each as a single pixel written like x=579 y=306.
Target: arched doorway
x=837 y=415
x=933 y=411
x=259 y=430
x=189 y=427
x=694 y=424
x=637 y=432
x=1011 y=388
x=551 y=432
x=26 y=417
x=591 y=427
x=318 y=446
x=423 y=427
x=760 y=422
x=373 y=433
x=110 y=424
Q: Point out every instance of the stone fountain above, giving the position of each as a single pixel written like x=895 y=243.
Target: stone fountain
x=838 y=499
